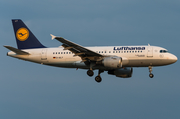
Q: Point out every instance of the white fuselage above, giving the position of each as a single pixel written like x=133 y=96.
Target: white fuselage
x=132 y=56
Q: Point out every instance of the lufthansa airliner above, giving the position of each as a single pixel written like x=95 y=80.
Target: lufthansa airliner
x=116 y=60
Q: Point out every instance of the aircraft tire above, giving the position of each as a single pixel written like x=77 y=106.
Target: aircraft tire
x=151 y=75
x=98 y=79
x=90 y=73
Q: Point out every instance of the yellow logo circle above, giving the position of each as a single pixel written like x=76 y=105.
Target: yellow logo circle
x=22 y=34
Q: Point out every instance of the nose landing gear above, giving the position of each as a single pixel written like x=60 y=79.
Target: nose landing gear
x=150 y=70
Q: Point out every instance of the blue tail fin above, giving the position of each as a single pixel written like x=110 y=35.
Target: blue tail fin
x=24 y=37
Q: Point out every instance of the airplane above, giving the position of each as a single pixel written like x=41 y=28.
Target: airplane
x=116 y=60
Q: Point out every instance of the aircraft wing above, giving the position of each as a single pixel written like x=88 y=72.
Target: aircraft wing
x=78 y=50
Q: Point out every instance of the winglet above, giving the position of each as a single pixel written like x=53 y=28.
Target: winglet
x=53 y=37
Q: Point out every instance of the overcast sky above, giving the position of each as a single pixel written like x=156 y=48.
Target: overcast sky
x=34 y=91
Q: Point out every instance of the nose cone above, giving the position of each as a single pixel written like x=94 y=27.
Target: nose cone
x=173 y=58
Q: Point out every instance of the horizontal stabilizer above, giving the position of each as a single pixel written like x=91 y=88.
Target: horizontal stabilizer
x=17 y=51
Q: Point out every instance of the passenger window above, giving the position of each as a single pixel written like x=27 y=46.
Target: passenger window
x=113 y=51
x=109 y=51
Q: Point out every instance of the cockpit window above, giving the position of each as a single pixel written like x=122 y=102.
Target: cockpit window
x=163 y=51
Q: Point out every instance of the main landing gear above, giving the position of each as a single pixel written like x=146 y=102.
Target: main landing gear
x=90 y=73
x=150 y=70
x=98 y=77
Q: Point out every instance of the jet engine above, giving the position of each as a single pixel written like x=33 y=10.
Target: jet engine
x=112 y=62
x=122 y=72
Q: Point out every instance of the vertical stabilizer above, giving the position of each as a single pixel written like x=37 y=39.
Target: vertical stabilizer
x=24 y=37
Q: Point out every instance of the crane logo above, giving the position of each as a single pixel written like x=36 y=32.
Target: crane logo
x=22 y=34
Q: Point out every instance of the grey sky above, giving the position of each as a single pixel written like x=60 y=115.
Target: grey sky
x=31 y=90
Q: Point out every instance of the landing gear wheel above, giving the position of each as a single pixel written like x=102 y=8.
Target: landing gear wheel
x=151 y=75
x=150 y=70
x=90 y=73
x=98 y=79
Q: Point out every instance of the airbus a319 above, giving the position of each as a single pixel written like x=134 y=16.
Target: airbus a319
x=116 y=60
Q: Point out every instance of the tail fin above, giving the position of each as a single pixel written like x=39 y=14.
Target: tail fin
x=24 y=37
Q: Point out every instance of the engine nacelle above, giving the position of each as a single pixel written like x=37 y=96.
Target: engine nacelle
x=122 y=72
x=112 y=62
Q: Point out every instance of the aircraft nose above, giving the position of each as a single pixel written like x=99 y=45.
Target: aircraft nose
x=174 y=58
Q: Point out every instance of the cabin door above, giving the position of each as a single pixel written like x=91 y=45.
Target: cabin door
x=44 y=54
x=150 y=51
